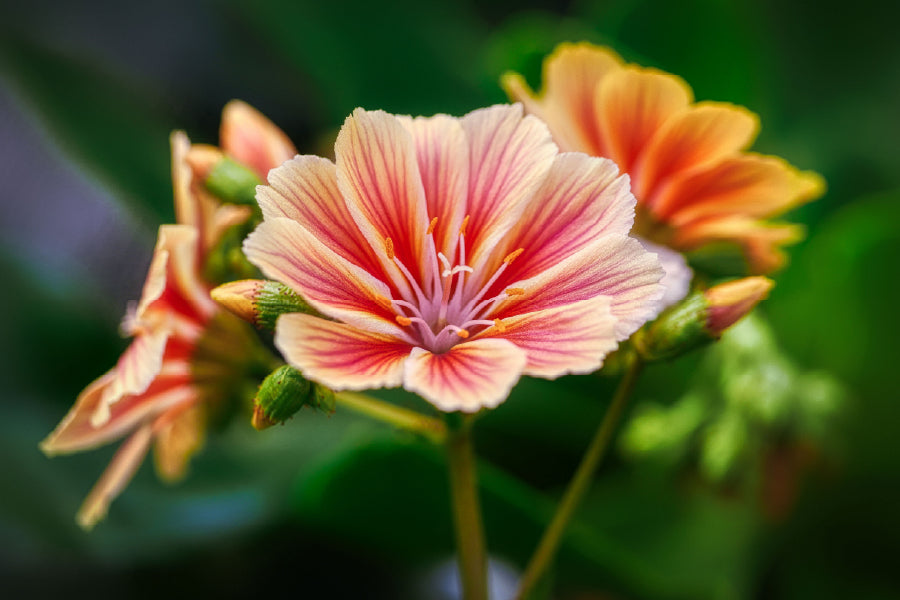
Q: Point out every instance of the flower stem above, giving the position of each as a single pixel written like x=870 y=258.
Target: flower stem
x=431 y=428
x=470 y=543
x=579 y=484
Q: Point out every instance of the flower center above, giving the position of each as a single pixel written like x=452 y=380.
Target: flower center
x=448 y=305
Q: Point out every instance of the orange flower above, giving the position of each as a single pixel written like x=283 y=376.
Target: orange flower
x=694 y=181
x=185 y=350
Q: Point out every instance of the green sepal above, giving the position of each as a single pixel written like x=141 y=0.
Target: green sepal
x=275 y=299
x=232 y=182
x=284 y=392
x=678 y=330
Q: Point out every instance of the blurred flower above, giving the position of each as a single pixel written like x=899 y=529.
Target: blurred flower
x=695 y=185
x=185 y=351
x=454 y=255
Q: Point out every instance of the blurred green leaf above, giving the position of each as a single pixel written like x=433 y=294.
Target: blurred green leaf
x=107 y=124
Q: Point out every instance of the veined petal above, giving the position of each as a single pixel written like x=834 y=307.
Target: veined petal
x=340 y=356
x=305 y=189
x=695 y=138
x=750 y=184
x=249 y=137
x=116 y=476
x=138 y=366
x=510 y=156
x=582 y=198
x=632 y=104
x=470 y=376
x=615 y=266
x=378 y=175
x=442 y=152
x=181 y=242
x=76 y=431
x=568 y=339
x=287 y=252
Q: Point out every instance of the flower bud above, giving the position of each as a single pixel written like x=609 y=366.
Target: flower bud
x=283 y=393
x=232 y=182
x=259 y=301
x=700 y=318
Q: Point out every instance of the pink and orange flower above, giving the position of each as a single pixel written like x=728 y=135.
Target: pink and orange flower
x=694 y=181
x=451 y=256
x=160 y=386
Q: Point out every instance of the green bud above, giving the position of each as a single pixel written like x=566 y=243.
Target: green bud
x=678 y=330
x=260 y=302
x=232 y=182
x=283 y=393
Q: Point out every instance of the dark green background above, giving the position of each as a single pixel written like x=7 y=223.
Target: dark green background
x=341 y=507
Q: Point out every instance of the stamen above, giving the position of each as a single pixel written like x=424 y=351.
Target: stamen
x=445 y=263
x=389 y=248
x=514 y=291
x=431 y=226
x=462 y=333
x=500 y=325
x=513 y=255
x=465 y=223
x=405 y=321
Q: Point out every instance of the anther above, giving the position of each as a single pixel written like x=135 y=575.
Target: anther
x=462 y=333
x=513 y=255
x=514 y=291
x=465 y=223
x=389 y=248
x=500 y=325
x=431 y=226
x=405 y=321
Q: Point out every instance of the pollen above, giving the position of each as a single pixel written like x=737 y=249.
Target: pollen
x=514 y=291
x=465 y=223
x=462 y=333
x=513 y=255
x=389 y=248
x=431 y=226
x=405 y=321
x=500 y=325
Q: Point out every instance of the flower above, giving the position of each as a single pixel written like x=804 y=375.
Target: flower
x=179 y=360
x=695 y=184
x=451 y=256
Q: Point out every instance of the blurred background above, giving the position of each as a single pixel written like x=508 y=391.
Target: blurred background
x=766 y=466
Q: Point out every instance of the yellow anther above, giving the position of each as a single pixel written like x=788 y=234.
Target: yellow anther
x=462 y=333
x=431 y=226
x=403 y=320
x=389 y=248
x=514 y=291
x=465 y=223
x=384 y=303
x=513 y=255
x=500 y=325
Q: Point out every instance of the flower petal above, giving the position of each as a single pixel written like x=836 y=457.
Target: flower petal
x=615 y=266
x=116 y=476
x=632 y=104
x=178 y=435
x=442 y=152
x=572 y=338
x=378 y=175
x=571 y=77
x=340 y=356
x=305 y=189
x=470 y=376
x=678 y=275
x=695 y=138
x=750 y=184
x=510 y=156
x=334 y=286
x=250 y=138
x=582 y=198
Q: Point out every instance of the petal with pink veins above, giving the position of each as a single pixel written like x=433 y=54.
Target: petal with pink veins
x=340 y=356
x=569 y=339
x=677 y=279
x=250 y=138
x=287 y=252
x=468 y=377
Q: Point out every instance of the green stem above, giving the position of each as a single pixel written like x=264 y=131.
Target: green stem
x=470 y=543
x=579 y=484
x=379 y=410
